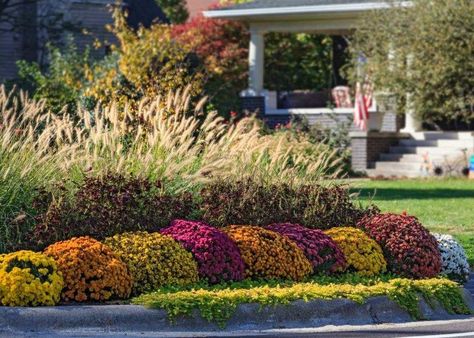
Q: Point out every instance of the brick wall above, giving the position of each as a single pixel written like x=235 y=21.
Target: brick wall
x=367 y=147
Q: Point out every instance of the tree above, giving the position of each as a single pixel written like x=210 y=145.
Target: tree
x=175 y=10
x=427 y=50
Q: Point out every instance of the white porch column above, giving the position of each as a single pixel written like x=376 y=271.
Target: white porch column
x=256 y=61
x=412 y=123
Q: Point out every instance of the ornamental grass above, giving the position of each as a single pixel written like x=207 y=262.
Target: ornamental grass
x=410 y=249
x=217 y=256
x=92 y=272
x=29 y=278
x=267 y=254
x=363 y=255
x=319 y=248
x=154 y=260
x=163 y=138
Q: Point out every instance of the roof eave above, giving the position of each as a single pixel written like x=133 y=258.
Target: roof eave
x=255 y=13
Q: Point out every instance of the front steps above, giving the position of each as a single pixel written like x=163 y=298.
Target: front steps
x=425 y=154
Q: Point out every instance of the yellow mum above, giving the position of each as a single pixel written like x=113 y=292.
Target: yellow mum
x=29 y=278
x=154 y=260
x=362 y=253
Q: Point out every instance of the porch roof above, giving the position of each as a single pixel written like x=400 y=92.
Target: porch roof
x=275 y=10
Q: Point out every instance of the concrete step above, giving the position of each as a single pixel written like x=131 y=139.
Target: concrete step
x=399 y=166
x=412 y=158
x=437 y=135
x=393 y=173
x=423 y=150
x=461 y=144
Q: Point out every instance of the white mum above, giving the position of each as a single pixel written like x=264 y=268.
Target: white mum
x=454 y=258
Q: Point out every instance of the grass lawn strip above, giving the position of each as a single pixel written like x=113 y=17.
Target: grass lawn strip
x=217 y=304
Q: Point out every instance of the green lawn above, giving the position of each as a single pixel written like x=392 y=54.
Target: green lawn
x=445 y=206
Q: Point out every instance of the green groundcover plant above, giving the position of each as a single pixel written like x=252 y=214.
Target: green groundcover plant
x=218 y=303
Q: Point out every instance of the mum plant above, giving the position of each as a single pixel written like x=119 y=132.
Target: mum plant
x=267 y=254
x=410 y=249
x=454 y=262
x=218 y=257
x=154 y=260
x=319 y=248
x=29 y=278
x=363 y=254
x=92 y=272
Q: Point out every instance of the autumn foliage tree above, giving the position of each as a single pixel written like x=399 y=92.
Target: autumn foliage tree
x=222 y=47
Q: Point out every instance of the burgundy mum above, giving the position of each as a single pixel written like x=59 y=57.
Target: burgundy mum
x=218 y=257
x=319 y=248
x=409 y=248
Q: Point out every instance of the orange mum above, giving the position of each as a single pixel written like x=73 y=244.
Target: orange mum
x=90 y=269
x=268 y=254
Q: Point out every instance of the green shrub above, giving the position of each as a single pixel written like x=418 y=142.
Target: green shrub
x=431 y=48
x=248 y=202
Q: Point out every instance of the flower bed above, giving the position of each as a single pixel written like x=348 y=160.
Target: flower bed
x=192 y=255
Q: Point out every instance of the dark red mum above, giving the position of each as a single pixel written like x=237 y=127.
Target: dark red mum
x=218 y=257
x=409 y=248
x=319 y=248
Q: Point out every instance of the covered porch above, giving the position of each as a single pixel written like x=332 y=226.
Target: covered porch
x=304 y=16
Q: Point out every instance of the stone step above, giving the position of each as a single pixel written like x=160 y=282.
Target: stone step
x=458 y=144
x=432 y=151
x=437 y=135
x=412 y=158
x=408 y=166
x=392 y=173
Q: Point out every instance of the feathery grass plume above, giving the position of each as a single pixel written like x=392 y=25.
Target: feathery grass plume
x=29 y=159
x=166 y=139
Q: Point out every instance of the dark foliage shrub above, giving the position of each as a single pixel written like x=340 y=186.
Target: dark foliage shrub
x=107 y=206
x=218 y=257
x=319 y=248
x=248 y=202
x=409 y=248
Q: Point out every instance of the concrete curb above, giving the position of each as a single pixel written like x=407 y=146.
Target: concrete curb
x=132 y=318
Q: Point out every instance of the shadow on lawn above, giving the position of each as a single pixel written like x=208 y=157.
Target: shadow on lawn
x=387 y=194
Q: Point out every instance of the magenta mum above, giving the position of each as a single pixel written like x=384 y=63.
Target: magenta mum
x=319 y=248
x=218 y=257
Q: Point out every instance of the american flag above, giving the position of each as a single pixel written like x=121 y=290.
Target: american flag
x=363 y=101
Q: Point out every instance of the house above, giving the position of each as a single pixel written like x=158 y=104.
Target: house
x=195 y=7
x=393 y=145
x=28 y=40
